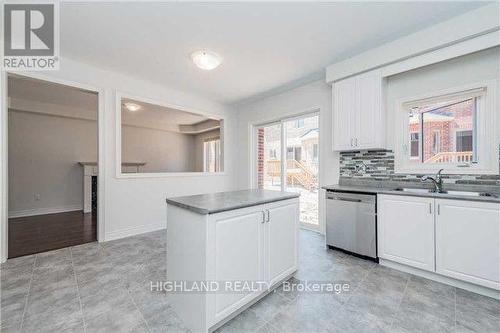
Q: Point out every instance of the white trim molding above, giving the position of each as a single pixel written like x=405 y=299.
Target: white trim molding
x=119 y=95
x=133 y=231
x=487 y=143
x=4 y=169
x=44 y=211
x=441 y=278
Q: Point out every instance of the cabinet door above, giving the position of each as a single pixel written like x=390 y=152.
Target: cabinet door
x=238 y=255
x=468 y=241
x=344 y=101
x=406 y=230
x=282 y=240
x=370 y=129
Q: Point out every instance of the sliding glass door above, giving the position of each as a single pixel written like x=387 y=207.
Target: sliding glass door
x=302 y=150
x=287 y=156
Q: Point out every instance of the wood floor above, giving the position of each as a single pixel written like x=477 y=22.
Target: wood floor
x=33 y=234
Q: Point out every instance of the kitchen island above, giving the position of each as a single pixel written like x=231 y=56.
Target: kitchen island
x=227 y=250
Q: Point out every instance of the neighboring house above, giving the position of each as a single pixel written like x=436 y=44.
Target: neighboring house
x=448 y=133
x=302 y=151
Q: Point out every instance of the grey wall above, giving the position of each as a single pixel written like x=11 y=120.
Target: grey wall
x=44 y=151
x=43 y=155
x=161 y=150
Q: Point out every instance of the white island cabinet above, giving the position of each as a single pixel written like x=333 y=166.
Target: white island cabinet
x=236 y=245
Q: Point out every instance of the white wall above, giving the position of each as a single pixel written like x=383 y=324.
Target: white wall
x=44 y=152
x=134 y=205
x=163 y=151
x=313 y=96
x=475 y=67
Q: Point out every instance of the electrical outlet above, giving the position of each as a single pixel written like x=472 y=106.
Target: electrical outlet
x=37 y=197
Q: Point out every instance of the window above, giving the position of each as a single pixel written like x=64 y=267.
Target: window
x=436 y=142
x=298 y=153
x=464 y=141
x=272 y=153
x=454 y=131
x=437 y=123
x=299 y=123
x=414 y=145
x=211 y=153
x=315 y=151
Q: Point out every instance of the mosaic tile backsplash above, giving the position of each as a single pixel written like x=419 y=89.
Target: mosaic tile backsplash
x=380 y=167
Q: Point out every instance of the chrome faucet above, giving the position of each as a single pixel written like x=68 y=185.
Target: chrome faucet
x=437 y=181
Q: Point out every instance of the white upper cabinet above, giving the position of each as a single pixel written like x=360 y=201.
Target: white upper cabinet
x=344 y=100
x=468 y=241
x=358 y=112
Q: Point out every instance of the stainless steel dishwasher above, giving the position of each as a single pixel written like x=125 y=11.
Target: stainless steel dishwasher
x=351 y=223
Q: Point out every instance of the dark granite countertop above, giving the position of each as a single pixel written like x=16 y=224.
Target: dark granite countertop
x=386 y=190
x=223 y=201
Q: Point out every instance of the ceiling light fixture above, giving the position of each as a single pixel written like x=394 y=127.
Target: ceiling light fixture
x=132 y=106
x=206 y=60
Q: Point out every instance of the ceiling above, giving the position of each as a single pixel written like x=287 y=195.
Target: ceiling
x=161 y=116
x=265 y=46
x=75 y=101
x=51 y=93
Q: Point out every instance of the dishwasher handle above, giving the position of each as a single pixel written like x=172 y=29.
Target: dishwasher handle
x=344 y=199
x=351 y=197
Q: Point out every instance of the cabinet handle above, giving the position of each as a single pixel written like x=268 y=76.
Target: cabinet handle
x=430 y=208
x=263 y=217
x=439 y=209
x=268 y=216
x=356 y=142
x=352 y=144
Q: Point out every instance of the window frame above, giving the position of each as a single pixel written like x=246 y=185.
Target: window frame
x=486 y=126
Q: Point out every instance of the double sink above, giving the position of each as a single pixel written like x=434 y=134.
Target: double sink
x=459 y=193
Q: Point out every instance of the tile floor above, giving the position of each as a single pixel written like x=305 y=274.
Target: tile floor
x=106 y=288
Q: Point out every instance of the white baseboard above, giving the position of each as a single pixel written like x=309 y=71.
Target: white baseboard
x=443 y=279
x=127 y=232
x=44 y=211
